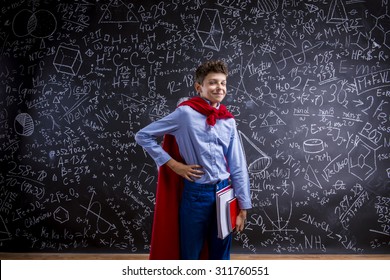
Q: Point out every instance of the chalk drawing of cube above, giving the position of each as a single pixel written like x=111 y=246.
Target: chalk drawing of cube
x=68 y=60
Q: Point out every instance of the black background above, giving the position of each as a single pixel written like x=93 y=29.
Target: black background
x=309 y=86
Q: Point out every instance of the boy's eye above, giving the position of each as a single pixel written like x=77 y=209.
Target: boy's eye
x=215 y=82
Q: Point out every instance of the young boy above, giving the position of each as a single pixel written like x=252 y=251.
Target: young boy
x=203 y=135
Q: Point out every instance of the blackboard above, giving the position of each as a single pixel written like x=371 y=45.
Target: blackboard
x=309 y=87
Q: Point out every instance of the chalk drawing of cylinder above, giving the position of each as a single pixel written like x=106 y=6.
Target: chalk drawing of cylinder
x=68 y=60
x=258 y=161
x=313 y=146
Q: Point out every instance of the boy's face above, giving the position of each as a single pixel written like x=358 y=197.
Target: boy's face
x=213 y=88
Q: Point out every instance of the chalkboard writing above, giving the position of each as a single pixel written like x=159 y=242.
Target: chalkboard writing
x=309 y=86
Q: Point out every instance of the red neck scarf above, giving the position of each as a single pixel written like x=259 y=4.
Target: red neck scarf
x=199 y=104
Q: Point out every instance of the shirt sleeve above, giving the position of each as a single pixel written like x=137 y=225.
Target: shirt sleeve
x=239 y=171
x=147 y=136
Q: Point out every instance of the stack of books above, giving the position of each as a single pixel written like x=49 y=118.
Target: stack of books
x=227 y=211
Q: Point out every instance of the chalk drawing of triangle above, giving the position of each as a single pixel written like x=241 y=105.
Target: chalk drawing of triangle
x=337 y=13
x=312 y=8
x=130 y=103
x=118 y=12
x=286 y=37
x=311 y=177
x=272 y=119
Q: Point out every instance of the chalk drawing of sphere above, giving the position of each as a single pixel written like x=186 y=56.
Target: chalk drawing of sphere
x=268 y=6
x=39 y=24
x=24 y=124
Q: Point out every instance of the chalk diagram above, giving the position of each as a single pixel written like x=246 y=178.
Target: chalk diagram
x=337 y=13
x=298 y=58
x=258 y=161
x=131 y=104
x=267 y=6
x=68 y=60
x=118 y=12
x=100 y=221
x=210 y=29
x=287 y=38
x=24 y=124
x=272 y=119
x=362 y=160
x=380 y=33
x=4 y=233
x=311 y=8
x=61 y=215
x=362 y=41
x=313 y=146
x=279 y=216
x=258 y=95
x=311 y=177
x=39 y=24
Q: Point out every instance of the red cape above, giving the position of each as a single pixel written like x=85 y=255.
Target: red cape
x=165 y=232
x=165 y=243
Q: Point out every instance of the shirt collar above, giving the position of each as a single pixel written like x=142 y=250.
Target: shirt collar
x=210 y=102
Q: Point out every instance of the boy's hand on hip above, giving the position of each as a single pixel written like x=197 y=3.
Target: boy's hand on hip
x=189 y=172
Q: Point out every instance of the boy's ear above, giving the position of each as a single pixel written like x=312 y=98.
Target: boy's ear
x=198 y=87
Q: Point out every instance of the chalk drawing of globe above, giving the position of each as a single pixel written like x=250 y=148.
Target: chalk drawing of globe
x=24 y=124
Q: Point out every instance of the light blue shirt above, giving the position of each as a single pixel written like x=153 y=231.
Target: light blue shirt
x=216 y=148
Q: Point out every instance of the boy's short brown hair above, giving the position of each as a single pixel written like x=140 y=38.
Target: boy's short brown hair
x=213 y=66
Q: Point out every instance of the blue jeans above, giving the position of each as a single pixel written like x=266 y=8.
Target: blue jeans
x=198 y=222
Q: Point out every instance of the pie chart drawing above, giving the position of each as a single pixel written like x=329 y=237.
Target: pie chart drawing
x=24 y=124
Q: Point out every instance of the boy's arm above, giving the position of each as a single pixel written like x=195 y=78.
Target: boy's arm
x=147 y=137
x=240 y=178
x=239 y=172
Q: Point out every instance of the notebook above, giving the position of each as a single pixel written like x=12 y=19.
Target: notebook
x=227 y=211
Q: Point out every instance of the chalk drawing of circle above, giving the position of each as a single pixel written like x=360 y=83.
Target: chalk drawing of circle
x=20 y=23
x=40 y=24
x=313 y=146
x=24 y=124
x=44 y=24
x=268 y=6
x=259 y=165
